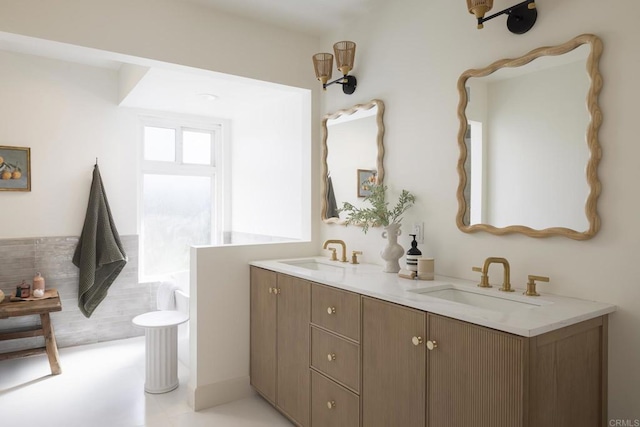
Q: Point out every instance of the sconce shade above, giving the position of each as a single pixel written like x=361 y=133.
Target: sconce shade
x=323 y=65
x=479 y=7
x=345 y=54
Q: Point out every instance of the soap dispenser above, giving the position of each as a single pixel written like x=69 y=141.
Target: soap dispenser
x=413 y=254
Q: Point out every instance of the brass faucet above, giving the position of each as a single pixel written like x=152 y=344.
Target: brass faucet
x=343 y=258
x=506 y=282
x=484 y=279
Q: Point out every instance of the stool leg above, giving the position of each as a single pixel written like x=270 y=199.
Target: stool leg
x=50 y=344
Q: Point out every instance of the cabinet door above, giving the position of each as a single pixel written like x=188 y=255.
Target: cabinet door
x=263 y=332
x=293 y=377
x=475 y=375
x=393 y=368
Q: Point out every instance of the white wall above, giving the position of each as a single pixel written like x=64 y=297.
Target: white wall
x=410 y=55
x=67 y=114
x=270 y=162
x=220 y=280
x=173 y=31
x=186 y=34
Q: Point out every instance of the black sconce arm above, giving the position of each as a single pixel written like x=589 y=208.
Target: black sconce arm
x=348 y=83
x=521 y=17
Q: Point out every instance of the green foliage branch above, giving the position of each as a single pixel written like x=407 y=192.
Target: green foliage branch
x=379 y=212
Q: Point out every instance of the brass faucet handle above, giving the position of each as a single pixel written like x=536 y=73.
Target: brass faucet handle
x=354 y=257
x=531 y=285
x=333 y=254
x=484 y=279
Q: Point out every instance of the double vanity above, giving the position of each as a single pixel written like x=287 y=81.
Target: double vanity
x=337 y=344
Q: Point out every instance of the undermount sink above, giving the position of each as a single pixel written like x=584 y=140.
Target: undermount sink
x=312 y=264
x=502 y=303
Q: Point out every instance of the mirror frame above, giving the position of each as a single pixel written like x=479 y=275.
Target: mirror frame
x=325 y=149
x=592 y=141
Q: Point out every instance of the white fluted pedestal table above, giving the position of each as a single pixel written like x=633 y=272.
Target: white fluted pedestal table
x=161 y=341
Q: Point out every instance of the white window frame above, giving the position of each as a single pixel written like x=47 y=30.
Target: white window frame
x=218 y=170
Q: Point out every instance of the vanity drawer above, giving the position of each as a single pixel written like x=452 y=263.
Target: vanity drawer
x=336 y=310
x=336 y=357
x=332 y=405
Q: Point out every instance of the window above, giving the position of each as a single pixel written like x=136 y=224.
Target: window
x=181 y=188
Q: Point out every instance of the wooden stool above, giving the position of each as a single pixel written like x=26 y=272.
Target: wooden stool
x=42 y=307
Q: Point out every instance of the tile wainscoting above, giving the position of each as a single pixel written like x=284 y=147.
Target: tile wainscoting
x=22 y=258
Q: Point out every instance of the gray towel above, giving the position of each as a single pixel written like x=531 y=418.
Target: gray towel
x=332 y=206
x=99 y=254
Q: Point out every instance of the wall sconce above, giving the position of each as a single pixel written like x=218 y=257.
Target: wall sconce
x=345 y=52
x=521 y=16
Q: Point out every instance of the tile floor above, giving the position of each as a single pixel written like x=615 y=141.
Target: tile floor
x=102 y=385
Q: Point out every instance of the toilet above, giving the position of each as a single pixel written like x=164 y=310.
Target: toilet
x=161 y=338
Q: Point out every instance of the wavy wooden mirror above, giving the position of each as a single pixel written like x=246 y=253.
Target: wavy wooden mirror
x=529 y=148
x=352 y=151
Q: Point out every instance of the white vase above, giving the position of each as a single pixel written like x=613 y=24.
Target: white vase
x=392 y=252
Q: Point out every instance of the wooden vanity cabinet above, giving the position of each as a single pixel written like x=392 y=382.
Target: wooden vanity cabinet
x=399 y=366
x=473 y=376
x=487 y=378
x=393 y=366
x=464 y=375
x=279 y=338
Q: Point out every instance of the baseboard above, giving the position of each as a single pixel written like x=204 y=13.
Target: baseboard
x=215 y=394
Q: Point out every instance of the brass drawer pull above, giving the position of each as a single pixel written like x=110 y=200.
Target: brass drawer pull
x=416 y=340
x=331 y=404
x=432 y=344
x=331 y=310
x=331 y=357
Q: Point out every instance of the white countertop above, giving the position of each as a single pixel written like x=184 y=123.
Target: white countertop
x=548 y=313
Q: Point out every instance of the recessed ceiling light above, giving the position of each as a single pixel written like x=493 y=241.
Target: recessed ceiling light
x=209 y=96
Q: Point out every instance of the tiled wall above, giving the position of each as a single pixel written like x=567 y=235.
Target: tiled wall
x=22 y=258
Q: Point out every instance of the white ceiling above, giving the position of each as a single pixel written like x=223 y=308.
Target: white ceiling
x=308 y=16
x=184 y=92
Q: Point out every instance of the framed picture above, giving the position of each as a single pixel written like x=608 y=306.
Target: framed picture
x=15 y=168
x=366 y=178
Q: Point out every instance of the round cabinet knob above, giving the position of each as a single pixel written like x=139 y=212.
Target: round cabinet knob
x=270 y=290
x=331 y=404
x=432 y=344
x=331 y=310
x=331 y=357
x=416 y=340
